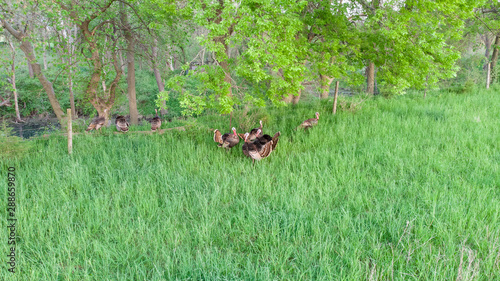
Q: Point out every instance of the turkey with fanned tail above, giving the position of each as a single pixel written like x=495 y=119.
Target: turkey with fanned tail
x=261 y=147
x=227 y=140
x=121 y=124
x=155 y=122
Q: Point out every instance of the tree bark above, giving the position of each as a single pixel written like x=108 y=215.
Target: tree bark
x=325 y=85
x=129 y=37
x=30 y=69
x=370 y=78
x=494 y=58
x=44 y=43
x=224 y=65
x=487 y=44
x=14 y=88
x=71 y=50
x=71 y=93
x=122 y=64
x=296 y=98
x=108 y=99
x=156 y=71
x=27 y=47
x=291 y=98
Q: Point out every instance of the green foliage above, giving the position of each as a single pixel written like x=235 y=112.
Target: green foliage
x=259 y=51
x=192 y=105
x=410 y=46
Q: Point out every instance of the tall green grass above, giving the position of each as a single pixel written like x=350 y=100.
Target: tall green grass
x=406 y=188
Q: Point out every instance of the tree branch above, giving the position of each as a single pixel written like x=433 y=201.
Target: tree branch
x=18 y=34
x=484 y=24
x=366 y=5
x=99 y=26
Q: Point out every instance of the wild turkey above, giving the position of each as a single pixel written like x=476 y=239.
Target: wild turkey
x=261 y=147
x=254 y=133
x=97 y=122
x=226 y=140
x=309 y=123
x=155 y=122
x=267 y=138
x=121 y=124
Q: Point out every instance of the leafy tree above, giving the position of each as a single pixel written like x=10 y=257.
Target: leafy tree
x=10 y=72
x=408 y=40
x=487 y=20
x=165 y=35
x=20 y=22
x=334 y=42
x=98 y=28
x=131 y=39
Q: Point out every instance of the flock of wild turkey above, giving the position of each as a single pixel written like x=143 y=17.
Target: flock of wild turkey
x=121 y=123
x=256 y=144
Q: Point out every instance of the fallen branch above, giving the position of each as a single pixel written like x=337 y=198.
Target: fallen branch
x=5 y=102
x=161 y=131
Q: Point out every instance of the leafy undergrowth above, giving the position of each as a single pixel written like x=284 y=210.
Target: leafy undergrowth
x=405 y=188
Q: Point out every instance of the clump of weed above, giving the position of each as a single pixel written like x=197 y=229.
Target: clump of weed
x=352 y=105
x=12 y=146
x=249 y=119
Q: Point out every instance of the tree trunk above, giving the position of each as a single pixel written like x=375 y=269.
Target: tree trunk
x=71 y=93
x=108 y=99
x=28 y=50
x=487 y=45
x=296 y=98
x=30 y=69
x=325 y=85
x=122 y=64
x=71 y=50
x=494 y=58
x=14 y=88
x=370 y=78
x=44 y=43
x=288 y=98
x=129 y=37
x=291 y=98
x=156 y=71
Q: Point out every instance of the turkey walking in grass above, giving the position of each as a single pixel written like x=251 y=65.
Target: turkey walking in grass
x=97 y=122
x=309 y=123
x=227 y=140
x=121 y=124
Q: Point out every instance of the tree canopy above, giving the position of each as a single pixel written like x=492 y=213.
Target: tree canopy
x=223 y=54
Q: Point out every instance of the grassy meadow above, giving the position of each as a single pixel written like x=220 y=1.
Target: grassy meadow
x=395 y=189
